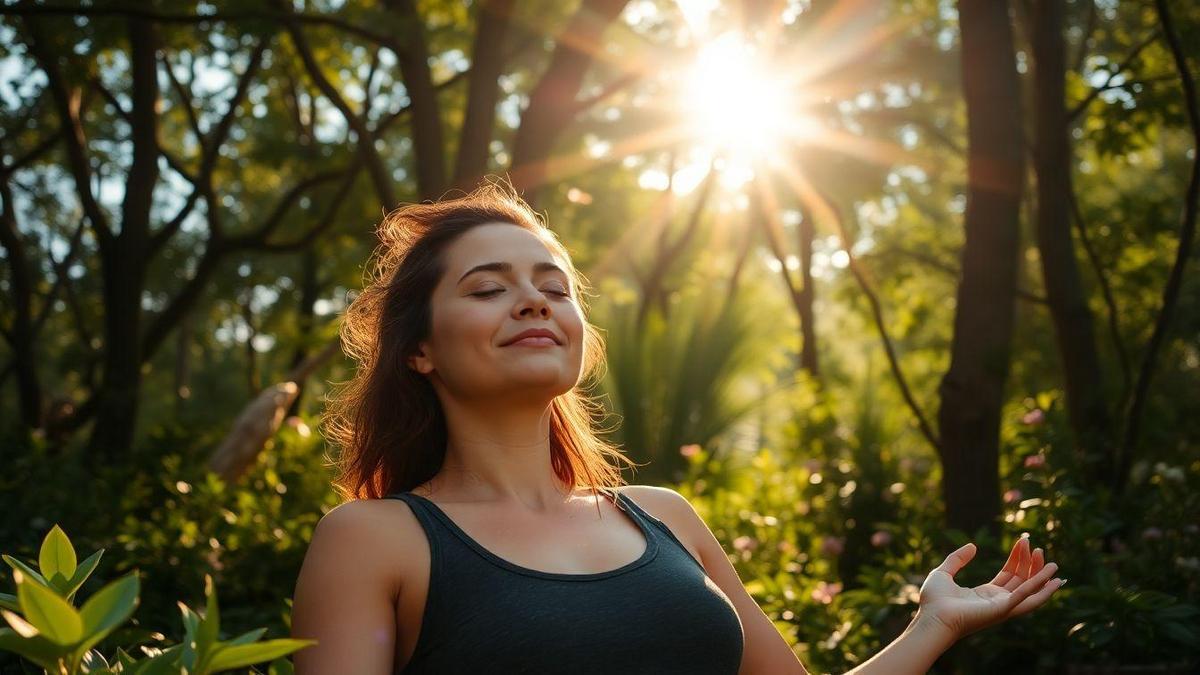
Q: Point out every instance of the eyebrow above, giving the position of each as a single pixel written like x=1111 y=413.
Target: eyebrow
x=507 y=267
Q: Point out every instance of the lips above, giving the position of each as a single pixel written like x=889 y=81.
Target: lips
x=533 y=332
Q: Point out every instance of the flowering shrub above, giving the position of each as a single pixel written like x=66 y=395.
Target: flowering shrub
x=792 y=527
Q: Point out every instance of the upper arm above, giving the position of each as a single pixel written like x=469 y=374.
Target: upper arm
x=345 y=595
x=764 y=651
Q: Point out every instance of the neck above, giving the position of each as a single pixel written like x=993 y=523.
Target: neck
x=500 y=454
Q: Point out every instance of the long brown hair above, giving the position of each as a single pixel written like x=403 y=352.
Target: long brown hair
x=387 y=419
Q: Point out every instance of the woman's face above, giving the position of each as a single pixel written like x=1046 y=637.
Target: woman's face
x=501 y=280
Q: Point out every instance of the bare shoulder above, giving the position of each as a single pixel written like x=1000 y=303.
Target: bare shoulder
x=366 y=530
x=672 y=508
x=654 y=499
x=348 y=587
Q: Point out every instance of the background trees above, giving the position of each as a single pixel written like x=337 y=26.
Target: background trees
x=941 y=244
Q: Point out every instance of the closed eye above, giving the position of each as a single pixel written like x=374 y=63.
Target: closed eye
x=488 y=294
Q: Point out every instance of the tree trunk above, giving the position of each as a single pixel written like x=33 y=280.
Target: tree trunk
x=808 y=348
x=552 y=103
x=21 y=338
x=972 y=389
x=487 y=64
x=123 y=260
x=426 y=116
x=1069 y=309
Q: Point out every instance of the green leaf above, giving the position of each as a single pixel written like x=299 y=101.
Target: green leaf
x=57 y=556
x=124 y=659
x=281 y=666
x=209 y=629
x=228 y=657
x=191 y=623
x=166 y=663
x=53 y=616
x=247 y=637
x=82 y=572
x=19 y=566
x=9 y=601
x=1181 y=634
x=36 y=649
x=110 y=607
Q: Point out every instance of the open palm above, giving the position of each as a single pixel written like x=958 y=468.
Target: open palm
x=1022 y=585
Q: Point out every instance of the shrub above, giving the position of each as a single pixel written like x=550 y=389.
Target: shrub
x=47 y=629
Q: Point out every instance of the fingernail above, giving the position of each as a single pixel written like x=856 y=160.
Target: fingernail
x=1062 y=583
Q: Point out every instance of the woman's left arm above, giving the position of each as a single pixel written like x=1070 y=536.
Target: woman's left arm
x=947 y=611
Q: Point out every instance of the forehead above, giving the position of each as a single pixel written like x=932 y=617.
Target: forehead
x=498 y=242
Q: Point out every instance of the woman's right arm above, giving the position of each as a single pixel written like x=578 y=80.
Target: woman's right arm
x=345 y=595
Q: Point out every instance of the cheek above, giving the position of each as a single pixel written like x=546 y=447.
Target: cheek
x=463 y=325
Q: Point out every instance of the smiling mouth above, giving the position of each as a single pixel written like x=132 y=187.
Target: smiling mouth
x=535 y=341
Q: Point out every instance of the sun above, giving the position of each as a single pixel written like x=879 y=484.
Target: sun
x=738 y=105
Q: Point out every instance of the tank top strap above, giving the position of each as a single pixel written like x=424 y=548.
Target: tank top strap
x=631 y=507
x=434 y=531
x=655 y=526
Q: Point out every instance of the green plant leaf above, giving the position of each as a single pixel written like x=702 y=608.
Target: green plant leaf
x=125 y=659
x=227 y=657
x=164 y=663
x=209 y=629
x=9 y=601
x=247 y=637
x=36 y=649
x=187 y=648
x=53 y=616
x=82 y=572
x=19 y=566
x=110 y=607
x=57 y=556
x=281 y=666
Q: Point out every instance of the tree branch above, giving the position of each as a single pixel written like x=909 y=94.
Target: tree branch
x=1078 y=109
x=203 y=19
x=1187 y=232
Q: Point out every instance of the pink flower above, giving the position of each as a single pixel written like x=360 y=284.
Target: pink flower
x=1034 y=417
x=1011 y=496
x=745 y=543
x=881 y=538
x=689 y=450
x=833 y=546
x=1035 y=461
x=824 y=592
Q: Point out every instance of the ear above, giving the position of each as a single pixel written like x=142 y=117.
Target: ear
x=420 y=362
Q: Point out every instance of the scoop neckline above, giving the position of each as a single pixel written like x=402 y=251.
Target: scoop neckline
x=650 y=552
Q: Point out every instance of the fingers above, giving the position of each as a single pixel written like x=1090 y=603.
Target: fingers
x=958 y=559
x=1014 y=559
x=1031 y=586
x=1037 y=561
x=1027 y=569
x=1037 y=599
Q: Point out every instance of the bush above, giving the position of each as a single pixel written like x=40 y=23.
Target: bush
x=47 y=629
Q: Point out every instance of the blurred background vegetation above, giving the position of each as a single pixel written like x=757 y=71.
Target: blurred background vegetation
x=878 y=277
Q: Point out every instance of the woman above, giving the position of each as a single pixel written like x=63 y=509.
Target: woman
x=486 y=527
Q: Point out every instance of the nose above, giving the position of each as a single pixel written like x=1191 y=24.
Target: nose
x=532 y=301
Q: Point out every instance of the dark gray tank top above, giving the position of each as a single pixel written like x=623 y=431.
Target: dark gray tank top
x=659 y=614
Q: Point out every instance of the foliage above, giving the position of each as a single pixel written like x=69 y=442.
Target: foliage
x=50 y=631
x=789 y=529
